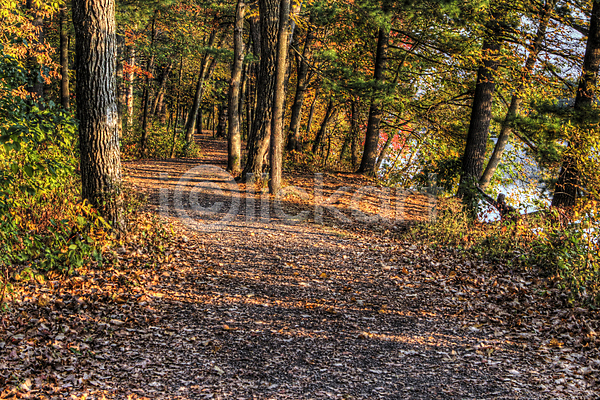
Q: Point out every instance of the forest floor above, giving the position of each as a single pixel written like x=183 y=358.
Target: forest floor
x=250 y=303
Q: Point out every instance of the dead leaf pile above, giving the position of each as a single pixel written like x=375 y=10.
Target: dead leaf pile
x=270 y=310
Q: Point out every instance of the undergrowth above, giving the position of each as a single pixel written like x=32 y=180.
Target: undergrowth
x=45 y=228
x=161 y=142
x=569 y=254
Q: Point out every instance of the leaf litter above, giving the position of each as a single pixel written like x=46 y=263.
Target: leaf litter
x=274 y=311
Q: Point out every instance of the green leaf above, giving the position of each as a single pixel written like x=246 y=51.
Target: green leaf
x=28 y=170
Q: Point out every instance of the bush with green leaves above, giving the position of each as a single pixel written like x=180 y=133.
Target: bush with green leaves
x=161 y=141
x=569 y=253
x=572 y=253
x=43 y=223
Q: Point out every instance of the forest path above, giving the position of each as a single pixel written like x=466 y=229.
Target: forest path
x=264 y=309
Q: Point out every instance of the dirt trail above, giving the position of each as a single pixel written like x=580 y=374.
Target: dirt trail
x=270 y=309
x=261 y=298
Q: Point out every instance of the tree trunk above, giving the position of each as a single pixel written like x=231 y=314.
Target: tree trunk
x=481 y=116
x=64 y=59
x=37 y=87
x=176 y=122
x=94 y=23
x=384 y=151
x=149 y=69
x=158 y=100
x=190 y=125
x=276 y=150
x=328 y=116
x=328 y=151
x=130 y=81
x=345 y=144
x=515 y=102
x=207 y=78
x=301 y=85
x=261 y=128
x=144 y=138
x=242 y=97
x=222 y=118
x=311 y=113
x=567 y=186
x=369 y=158
x=199 y=121
x=234 y=140
x=354 y=131
x=249 y=100
x=212 y=120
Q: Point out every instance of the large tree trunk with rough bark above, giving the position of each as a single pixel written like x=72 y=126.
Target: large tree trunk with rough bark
x=481 y=116
x=234 y=139
x=569 y=178
x=64 y=59
x=100 y=163
x=515 y=102
x=276 y=150
x=261 y=128
x=369 y=158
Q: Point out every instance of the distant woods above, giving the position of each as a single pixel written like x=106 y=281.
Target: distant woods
x=460 y=95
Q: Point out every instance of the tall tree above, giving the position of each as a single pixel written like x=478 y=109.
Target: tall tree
x=261 y=127
x=95 y=51
x=64 y=59
x=311 y=113
x=130 y=84
x=147 y=89
x=569 y=179
x=37 y=86
x=369 y=159
x=302 y=81
x=516 y=99
x=157 y=105
x=190 y=125
x=276 y=148
x=481 y=112
x=329 y=113
x=354 y=132
x=234 y=140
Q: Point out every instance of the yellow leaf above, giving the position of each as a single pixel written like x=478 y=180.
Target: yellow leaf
x=555 y=343
x=43 y=300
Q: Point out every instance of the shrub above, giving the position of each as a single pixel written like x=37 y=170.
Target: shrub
x=570 y=253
